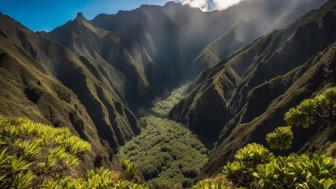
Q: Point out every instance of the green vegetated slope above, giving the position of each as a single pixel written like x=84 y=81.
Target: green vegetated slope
x=243 y=97
x=49 y=83
x=166 y=152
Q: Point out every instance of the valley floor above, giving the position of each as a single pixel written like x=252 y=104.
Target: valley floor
x=166 y=152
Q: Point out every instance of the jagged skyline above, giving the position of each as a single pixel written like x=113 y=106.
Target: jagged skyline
x=44 y=15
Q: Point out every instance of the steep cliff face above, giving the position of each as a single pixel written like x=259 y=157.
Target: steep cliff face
x=152 y=30
x=260 y=82
x=251 y=25
x=121 y=63
x=174 y=35
x=47 y=82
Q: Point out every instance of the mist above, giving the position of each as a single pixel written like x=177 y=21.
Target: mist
x=174 y=35
x=209 y=5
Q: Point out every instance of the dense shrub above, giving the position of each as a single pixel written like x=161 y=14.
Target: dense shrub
x=281 y=138
x=32 y=152
x=294 y=171
x=256 y=165
x=298 y=171
x=241 y=170
x=34 y=155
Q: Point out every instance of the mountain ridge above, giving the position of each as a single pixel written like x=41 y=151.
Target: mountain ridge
x=264 y=72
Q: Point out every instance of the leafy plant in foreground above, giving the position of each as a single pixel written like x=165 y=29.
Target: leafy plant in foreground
x=322 y=107
x=102 y=178
x=297 y=171
x=31 y=152
x=241 y=170
x=293 y=171
x=34 y=155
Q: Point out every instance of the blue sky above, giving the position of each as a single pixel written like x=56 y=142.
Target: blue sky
x=47 y=14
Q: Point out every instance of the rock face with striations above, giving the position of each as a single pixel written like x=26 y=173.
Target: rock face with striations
x=244 y=97
x=120 y=64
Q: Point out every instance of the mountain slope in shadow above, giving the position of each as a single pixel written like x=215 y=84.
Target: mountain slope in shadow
x=244 y=97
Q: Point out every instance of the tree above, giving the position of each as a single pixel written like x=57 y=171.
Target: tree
x=322 y=107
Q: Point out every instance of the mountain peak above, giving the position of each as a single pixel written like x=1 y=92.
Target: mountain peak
x=172 y=3
x=80 y=16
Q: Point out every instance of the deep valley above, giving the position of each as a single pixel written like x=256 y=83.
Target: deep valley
x=172 y=97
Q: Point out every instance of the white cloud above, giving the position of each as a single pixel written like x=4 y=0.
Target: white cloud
x=208 y=5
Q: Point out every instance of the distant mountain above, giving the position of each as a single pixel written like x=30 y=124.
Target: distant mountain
x=250 y=27
x=244 y=97
x=238 y=37
x=174 y=35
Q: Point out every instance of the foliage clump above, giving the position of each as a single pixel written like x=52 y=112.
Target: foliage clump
x=281 y=138
x=298 y=171
x=34 y=155
x=293 y=171
x=322 y=107
x=254 y=166
x=31 y=152
x=95 y=178
x=246 y=160
x=219 y=182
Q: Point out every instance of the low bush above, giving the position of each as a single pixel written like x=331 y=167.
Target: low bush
x=241 y=170
x=298 y=171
